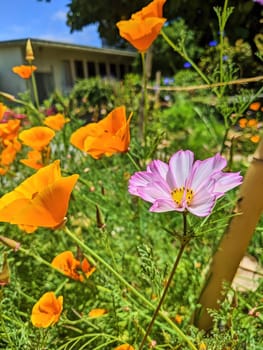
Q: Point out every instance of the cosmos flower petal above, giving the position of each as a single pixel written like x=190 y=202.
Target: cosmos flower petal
x=180 y=167
x=158 y=167
x=139 y=179
x=203 y=169
x=226 y=181
x=202 y=204
x=154 y=190
x=163 y=205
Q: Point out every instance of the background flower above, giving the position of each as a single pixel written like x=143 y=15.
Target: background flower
x=108 y=136
x=23 y=71
x=184 y=185
x=41 y=200
x=46 y=312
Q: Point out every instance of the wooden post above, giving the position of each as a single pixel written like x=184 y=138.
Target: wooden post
x=235 y=241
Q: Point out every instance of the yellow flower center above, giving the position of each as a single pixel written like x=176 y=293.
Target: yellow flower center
x=179 y=193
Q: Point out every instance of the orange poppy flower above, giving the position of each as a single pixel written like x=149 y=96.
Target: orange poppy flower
x=56 y=122
x=124 y=347
x=34 y=160
x=153 y=9
x=255 y=106
x=141 y=33
x=37 y=137
x=255 y=138
x=46 y=312
x=41 y=200
x=3 y=108
x=97 y=312
x=66 y=263
x=242 y=122
x=8 y=154
x=23 y=71
x=9 y=130
x=108 y=136
x=144 y=26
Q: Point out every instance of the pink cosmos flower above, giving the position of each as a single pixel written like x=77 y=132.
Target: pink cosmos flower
x=184 y=184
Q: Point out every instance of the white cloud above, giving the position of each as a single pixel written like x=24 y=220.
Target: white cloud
x=59 y=16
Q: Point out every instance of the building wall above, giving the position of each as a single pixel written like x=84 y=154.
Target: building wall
x=67 y=66
x=9 y=81
x=59 y=66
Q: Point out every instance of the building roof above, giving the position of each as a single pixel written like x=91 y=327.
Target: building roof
x=70 y=46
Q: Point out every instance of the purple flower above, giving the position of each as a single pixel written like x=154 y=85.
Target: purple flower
x=212 y=43
x=259 y=1
x=187 y=65
x=184 y=184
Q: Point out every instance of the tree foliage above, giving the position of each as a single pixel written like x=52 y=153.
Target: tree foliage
x=198 y=15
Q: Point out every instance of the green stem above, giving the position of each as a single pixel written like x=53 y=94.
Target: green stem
x=143 y=109
x=35 y=93
x=133 y=161
x=130 y=287
x=184 y=241
x=184 y=54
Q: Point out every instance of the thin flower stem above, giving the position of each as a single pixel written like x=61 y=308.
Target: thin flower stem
x=143 y=106
x=185 y=56
x=133 y=161
x=35 y=92
x=130 y=287
x=156 y=312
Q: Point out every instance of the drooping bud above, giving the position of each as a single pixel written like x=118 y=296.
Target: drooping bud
x=29 y=51
x=99 y=218
x=4 y=272
x=7 y=96
x=10 y=243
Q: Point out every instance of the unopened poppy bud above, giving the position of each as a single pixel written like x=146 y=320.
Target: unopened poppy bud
x=29 y=51
x=4 y=273
x=99 y=217
x=7 y=96
x=10 y=243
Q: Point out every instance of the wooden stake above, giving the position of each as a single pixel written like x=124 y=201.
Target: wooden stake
x=235 y=241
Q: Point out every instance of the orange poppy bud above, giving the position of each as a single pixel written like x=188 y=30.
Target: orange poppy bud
x=41 y=200
x=108 y=136
x=23 y=71
x=46 y=312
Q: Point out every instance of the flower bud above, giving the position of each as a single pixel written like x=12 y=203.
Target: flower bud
x=29 y=51
x=10 y=243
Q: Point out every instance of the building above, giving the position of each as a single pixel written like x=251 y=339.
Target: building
x=59 y=65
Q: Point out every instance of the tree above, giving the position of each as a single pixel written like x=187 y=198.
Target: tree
x=199 y=16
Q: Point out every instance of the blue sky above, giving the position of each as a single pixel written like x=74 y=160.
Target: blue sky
x=42 y=20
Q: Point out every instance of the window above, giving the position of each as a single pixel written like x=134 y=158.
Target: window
x=79 y=69
x=113 y=70
x=45 y=85
x=102 y=69
x=67 y=81
x=91 y=69
x=122 y=71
